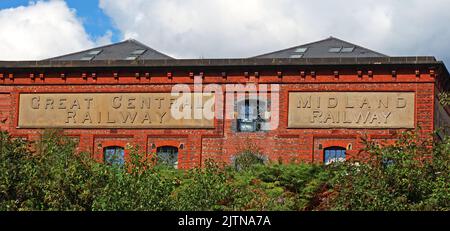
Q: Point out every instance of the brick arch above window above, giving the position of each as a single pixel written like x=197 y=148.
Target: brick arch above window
x=161 y=143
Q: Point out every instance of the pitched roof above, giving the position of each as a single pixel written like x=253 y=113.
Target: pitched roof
x=126 y=50
x=327 y=48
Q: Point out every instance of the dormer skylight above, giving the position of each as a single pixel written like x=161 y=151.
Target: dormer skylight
x=301 y=49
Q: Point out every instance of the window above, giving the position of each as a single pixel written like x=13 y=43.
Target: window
x=138 y=52
x=347 y=49
x=114 y=155
x=296 y=56
x=90 y=55
x=249 y=116
x=167 y=155
x=87 y=58
x=131 y=58
x=95 y=52
x=301 y=49
x=387 y=162
x=135 y=54
x=335 y=49
x=333 y=154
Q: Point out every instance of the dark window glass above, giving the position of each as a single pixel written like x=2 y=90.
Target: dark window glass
x=249 y=116
x=387 y=162
x=114 y=155
x=167 y=155
x=333 y=154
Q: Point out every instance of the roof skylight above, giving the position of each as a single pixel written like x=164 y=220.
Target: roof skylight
x=87 y=58
x=95 y=52
x=335 y=49
x=138 y=51
x=301 y=49
x=296 y=56
x=347 y=49
x=131 y=57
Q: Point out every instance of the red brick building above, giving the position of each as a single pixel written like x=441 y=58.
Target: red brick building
x=331 y=94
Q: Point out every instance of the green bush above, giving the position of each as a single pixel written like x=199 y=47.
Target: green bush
x=407 y=175
x=202 y=189
x=50 y=175
x=277 y=187
x=137 y=186
x=247 y=158
x=51 y=178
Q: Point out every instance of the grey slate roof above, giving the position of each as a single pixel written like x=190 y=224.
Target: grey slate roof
x=324 y=49
x=133 y=50
x=117 y=51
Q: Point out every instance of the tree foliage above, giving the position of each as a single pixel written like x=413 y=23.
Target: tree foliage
x=49 y=174
x=407 y=175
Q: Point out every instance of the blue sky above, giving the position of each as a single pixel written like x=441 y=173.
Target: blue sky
x=41 y=29
x=94 y=19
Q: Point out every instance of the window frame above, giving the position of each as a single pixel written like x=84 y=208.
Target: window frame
x=338 y=150
x=335 y=49
x=245 y=115
x=121 y=161
x=175 y=159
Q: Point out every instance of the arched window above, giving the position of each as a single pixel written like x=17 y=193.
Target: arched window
x=250 y=115
x=333 y=154
x=114 y=155
x=167 y=155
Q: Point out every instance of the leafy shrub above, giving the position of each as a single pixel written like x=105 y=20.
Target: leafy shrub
x=50 y=175
x=202 y=189
x=52 y=178
x=415 y=177
x=137 y=186
x=277 y=187
x=247 y=158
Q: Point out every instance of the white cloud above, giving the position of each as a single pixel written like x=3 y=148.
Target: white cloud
x=105 y=39
x=243 y=28
x=41 y=30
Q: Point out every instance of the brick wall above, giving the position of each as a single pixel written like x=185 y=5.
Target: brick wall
x=222 y=142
